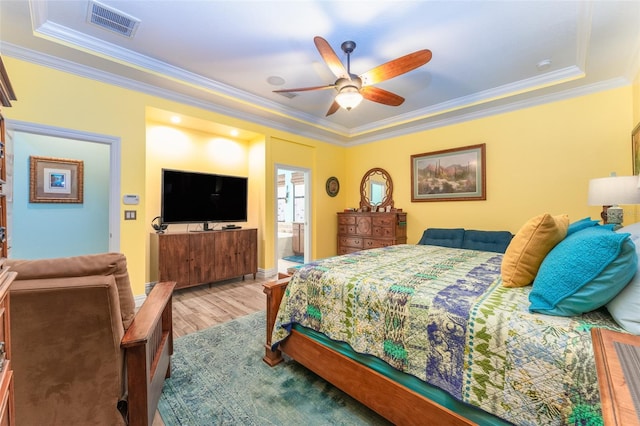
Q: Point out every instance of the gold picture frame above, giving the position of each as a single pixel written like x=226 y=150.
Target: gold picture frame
x=332 y=186
x=456 y=174
x=56 y=180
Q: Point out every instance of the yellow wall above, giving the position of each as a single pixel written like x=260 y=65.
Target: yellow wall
x=324 y=160
x=186 y=149
x=53 y=98
x=539 y=159
x=636 y=99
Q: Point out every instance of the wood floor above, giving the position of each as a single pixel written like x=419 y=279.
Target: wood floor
x=197 y=308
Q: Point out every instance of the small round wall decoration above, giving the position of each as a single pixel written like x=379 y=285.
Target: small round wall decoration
x=333 y=186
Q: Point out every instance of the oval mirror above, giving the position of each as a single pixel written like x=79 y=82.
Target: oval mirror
x=376 y=190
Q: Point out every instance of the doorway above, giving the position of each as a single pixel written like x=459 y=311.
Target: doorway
x=292 y=217
x=97 y=216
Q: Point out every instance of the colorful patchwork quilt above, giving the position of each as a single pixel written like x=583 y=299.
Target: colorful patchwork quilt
x=442 y=315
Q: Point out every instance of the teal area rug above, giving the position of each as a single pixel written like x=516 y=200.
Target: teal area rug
x=218 y=378
x=296 y=259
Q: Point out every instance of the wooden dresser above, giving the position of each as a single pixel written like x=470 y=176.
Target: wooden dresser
x=194 y=258
x=6 y=371
x=367 y=230
x=6 y=277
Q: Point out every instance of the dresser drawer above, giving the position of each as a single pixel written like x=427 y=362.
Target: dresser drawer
x=379 y=231
x=351 y=242
x=347 y=229
x=369 y=244
x=347 y=250
x=363 y=225
x=346 y=220
x=384 y=219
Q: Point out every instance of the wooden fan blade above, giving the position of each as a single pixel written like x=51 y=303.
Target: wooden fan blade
x=381 y=96
x=330 y=57
x=306 y=89
x=396 y=67
x=333 y=108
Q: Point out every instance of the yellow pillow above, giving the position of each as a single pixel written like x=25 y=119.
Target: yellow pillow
x=529 y=247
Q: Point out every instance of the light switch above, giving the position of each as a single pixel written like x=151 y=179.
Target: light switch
x=129 y=215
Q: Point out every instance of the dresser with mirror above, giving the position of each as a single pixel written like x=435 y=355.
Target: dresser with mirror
x=376 y=223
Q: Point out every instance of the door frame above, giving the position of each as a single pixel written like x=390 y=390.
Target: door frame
x=307 y=209
x=114 y=165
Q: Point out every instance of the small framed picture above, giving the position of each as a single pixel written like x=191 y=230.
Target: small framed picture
x=332 y=186
x=56 y=180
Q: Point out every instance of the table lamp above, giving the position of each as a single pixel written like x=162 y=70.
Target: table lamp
x=610 y=192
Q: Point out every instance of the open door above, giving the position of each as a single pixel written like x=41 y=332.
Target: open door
x=292 y=217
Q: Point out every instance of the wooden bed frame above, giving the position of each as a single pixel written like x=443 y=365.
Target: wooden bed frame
x=391 y=400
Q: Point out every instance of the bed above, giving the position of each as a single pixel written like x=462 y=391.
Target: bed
x=420 y=332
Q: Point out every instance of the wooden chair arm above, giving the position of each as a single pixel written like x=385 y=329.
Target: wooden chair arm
x=147 y=316
x=148 y=346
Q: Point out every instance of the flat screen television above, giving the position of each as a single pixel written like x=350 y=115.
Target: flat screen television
x=189 y=197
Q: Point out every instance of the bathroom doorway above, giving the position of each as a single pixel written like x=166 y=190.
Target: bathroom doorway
x=292 y=222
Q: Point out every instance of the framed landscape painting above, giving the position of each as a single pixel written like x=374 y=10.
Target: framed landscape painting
x=456 y=174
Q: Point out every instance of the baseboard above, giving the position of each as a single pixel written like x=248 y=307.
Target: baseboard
x=266 y=273
x=261 y=273
x=139 y=299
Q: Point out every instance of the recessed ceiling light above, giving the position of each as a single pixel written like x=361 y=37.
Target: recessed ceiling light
x=544 y=64
x=234 y=132
x=175 y=119
x=275 y=80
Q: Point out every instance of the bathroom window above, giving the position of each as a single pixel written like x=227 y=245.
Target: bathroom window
x=282 y=198
x=297 y=180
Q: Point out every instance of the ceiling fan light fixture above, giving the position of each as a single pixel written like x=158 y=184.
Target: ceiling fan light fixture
x=349 y=97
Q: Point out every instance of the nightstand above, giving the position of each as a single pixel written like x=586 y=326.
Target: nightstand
x=618 y=407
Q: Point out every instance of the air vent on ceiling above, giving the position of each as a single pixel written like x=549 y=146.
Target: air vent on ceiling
x=112 y=19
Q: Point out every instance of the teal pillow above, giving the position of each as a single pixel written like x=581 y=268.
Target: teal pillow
x=578 y=225
x=583 y=272
x=444 y=237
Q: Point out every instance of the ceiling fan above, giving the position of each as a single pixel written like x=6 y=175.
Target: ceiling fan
x=352 y=88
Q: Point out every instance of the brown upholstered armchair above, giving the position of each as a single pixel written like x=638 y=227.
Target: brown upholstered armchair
x=81 y=354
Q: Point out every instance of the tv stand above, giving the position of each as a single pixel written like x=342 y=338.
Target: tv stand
x=192 y=259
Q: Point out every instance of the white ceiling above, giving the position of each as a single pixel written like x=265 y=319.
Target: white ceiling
x=220 y=55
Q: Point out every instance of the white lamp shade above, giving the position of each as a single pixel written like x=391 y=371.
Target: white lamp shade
x=614 y=190
x=349 y=97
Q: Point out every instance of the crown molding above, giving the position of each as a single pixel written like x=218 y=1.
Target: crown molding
x=501 y=109
x=422 y=120
x=230 y=101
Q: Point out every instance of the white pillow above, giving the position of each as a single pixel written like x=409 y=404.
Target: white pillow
x=633 y=229
x=625 y=307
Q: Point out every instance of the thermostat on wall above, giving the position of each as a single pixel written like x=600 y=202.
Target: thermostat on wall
x=131 y=199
